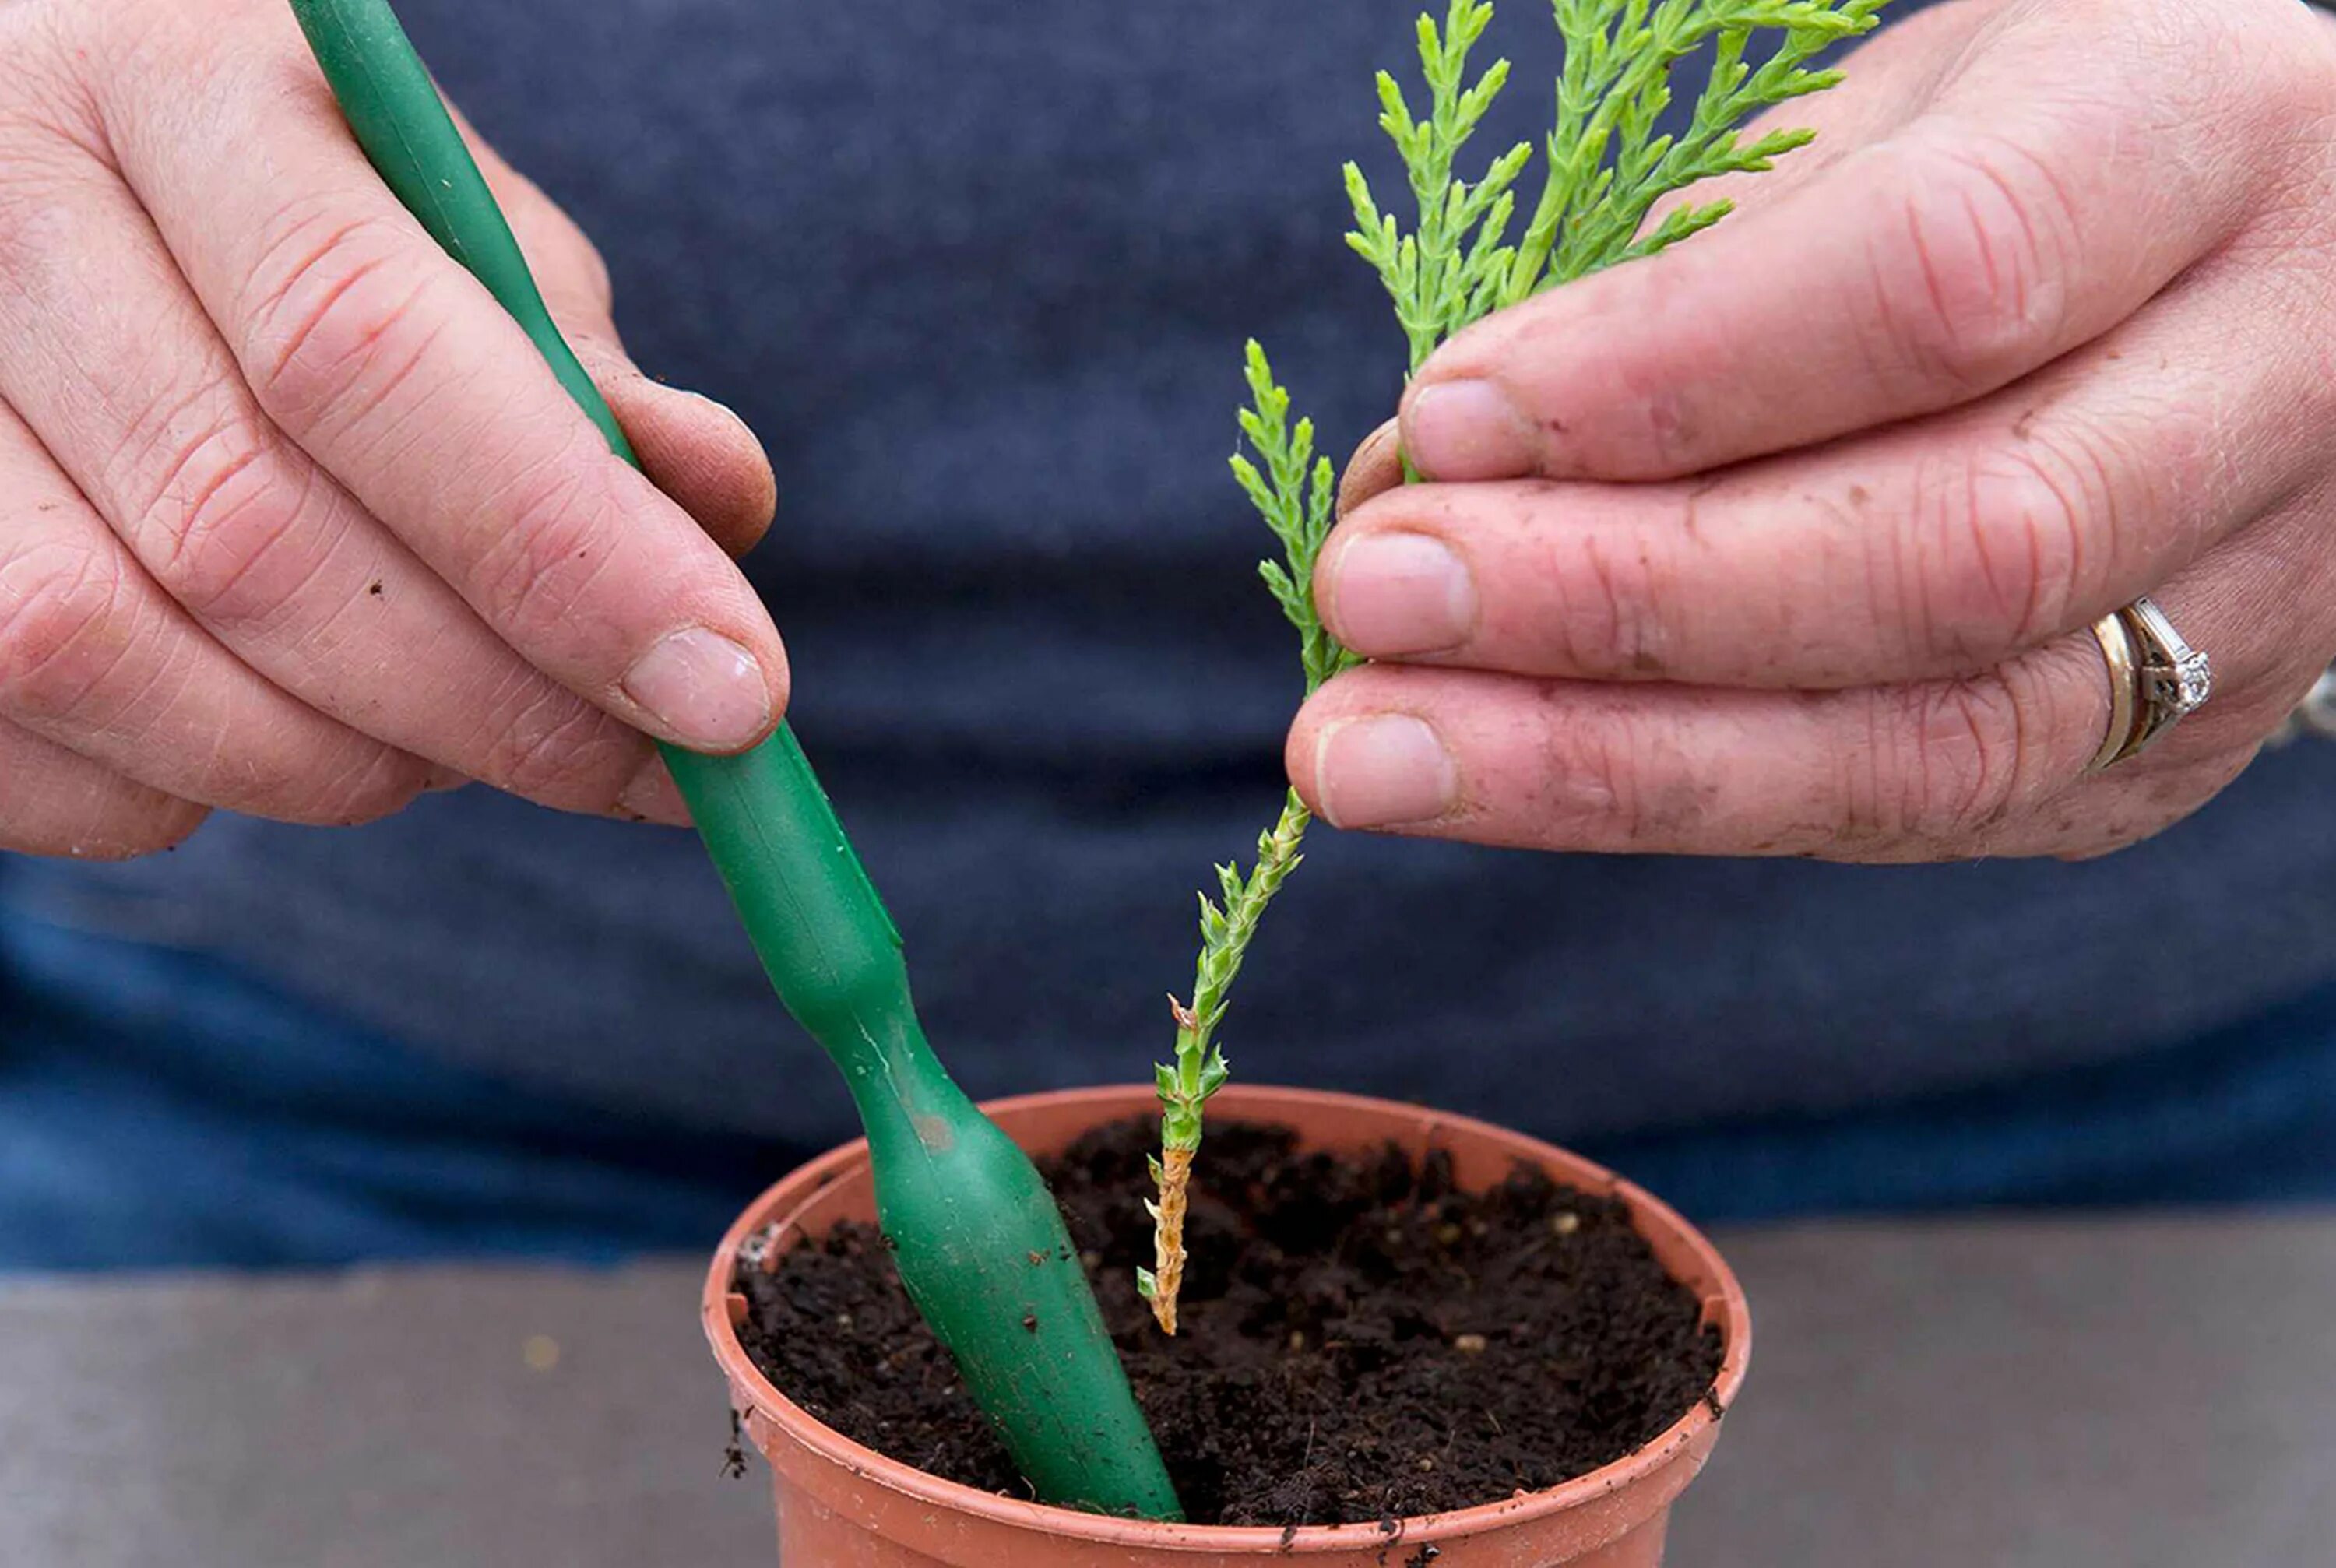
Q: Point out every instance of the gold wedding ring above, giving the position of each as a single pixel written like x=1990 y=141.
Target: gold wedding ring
x=2156 y=678
x=2116 y=648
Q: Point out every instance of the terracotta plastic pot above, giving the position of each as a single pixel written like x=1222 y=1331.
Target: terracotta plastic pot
x=841 y=1505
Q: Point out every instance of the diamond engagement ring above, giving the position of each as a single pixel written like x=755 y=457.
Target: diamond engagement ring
x=2156 y=678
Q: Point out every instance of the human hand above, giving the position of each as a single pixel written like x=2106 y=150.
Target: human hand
x=1787 y=542
x=293 y=520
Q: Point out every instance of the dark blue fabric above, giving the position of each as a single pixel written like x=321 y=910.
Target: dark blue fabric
x=162 y=1110
x=2242 y=1114
x=980 y=275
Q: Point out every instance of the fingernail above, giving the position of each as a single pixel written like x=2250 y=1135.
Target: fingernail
x=1383 y=771
x=1467 y=430
x=1398 y=593
x=703 y=691
x=654 y=795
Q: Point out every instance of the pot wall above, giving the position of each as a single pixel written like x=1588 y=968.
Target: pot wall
x=842 y=1505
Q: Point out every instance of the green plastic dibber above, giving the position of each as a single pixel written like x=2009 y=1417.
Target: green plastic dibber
x=978 y=1237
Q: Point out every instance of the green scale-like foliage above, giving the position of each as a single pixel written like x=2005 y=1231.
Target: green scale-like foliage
x=1605 y=168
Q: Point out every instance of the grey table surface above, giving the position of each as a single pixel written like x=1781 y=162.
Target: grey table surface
x=2147 y=1393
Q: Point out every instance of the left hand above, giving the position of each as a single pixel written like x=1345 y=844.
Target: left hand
x=1788 y=541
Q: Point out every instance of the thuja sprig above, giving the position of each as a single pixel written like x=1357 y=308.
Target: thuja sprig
x=1606 y=169
x=1294 y=492
x=1292 y=489
x=1446 y=273
x=1605 y=166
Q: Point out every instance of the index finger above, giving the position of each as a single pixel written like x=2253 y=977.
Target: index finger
x=2025 y=214
x=401 y=376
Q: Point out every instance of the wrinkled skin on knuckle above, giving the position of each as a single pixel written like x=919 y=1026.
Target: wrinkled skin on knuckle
x=2007 y=541
x=562 y=752
x=347 y=783
x=1602 y=776
x=1944 y=766
x=1586 y=600
x=2291 y=226
x=1995 y=750
x=1652 y=414
x=334 y=322
x=2258 y=65
x=1969 y=749
x=1635 y=411
x=1602 y=604
x=557 y=521
x=230 y=530
x=64 y=627
x=1967 y=281
x=44 y=231
x=264 y=758
x=44 y=92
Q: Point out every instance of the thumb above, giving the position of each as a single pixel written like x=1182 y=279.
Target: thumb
x=1375 y=468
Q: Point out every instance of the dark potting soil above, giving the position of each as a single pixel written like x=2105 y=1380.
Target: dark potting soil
x=1359 y=1341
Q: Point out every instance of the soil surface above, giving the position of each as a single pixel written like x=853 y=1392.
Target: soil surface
x=1359 y=1341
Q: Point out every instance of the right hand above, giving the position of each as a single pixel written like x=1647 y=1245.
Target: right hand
x=294 y=522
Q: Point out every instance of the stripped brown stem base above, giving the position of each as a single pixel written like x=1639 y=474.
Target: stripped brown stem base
x=1168 y=1234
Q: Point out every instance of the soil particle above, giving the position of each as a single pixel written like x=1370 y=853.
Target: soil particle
x=1344 y=1319
x=734 y=1457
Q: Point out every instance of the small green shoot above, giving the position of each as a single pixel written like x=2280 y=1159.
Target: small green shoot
x=1606 y=167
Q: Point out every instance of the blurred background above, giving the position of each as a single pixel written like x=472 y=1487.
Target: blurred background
x=304 y=1134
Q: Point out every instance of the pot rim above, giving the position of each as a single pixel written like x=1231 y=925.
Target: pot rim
x=1725 y=1304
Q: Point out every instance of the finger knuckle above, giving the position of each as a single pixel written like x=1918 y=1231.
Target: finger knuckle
x=559 y=749
x=1661 y=424
x=2265 y=62
x=2000 y=551
x=42 y=87
x=43 y=232
x=1589 y=777
x=358 y=781
x=231 y=530
x=65 y=626
x=553 y=540
x=335 y=322
x=1608 y=608
x=1947 y=762
x=1967 y=279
